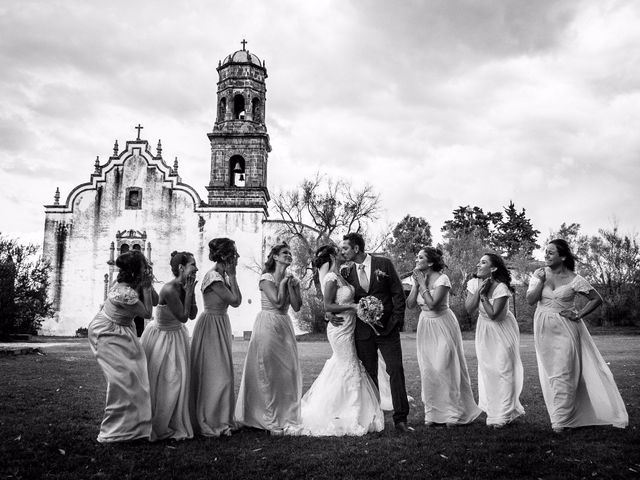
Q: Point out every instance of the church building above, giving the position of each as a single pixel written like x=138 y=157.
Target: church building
x=136 y=200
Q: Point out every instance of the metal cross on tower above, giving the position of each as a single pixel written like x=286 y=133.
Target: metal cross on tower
x=244 y=43
x=139 y=127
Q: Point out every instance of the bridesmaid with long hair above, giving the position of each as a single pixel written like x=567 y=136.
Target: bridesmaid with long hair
x=500 y=372
x=212 y=385
x=446 y=388
x=166 y=345
x=271 y=386
x=113 y=341
x=577 y=385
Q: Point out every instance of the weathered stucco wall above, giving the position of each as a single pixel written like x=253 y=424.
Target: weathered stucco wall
x=78 y=237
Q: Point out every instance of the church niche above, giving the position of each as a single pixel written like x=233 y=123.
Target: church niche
x=133 y=199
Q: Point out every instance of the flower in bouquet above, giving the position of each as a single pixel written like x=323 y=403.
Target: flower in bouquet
x=370 y=311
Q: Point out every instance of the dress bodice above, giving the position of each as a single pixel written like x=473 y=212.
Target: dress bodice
x=563 y=297
x=500 y=291
x=120 y=304
x=213 y=303
x=442 y=280
x=166 y=320
x=344 y=293
x=266 y=303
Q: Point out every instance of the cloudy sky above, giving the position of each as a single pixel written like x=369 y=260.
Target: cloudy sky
x=435 y=103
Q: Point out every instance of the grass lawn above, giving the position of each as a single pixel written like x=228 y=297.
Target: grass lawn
x=51 y=406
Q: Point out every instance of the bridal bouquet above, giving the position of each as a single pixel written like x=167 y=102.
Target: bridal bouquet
x=370 y=310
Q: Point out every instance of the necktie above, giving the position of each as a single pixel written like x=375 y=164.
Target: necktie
x=362 y=278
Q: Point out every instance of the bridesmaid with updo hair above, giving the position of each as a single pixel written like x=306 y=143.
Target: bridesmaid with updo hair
x=166 y=345
x=212 y=385
x=446 y=387
x=113 y=341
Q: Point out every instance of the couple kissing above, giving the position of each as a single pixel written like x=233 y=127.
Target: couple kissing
x=344 y=399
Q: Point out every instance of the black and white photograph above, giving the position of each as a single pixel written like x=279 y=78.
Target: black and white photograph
x=321 y=239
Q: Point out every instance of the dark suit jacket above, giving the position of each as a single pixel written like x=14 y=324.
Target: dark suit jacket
x=385 y=285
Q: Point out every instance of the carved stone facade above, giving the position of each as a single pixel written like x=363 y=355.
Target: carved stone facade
x=136 y=201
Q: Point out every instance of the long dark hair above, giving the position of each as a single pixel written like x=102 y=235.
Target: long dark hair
x=323 y=255
x=270 y=264
x=565 y=251
x=502 y=273
x=177 y=259
x=130 y=264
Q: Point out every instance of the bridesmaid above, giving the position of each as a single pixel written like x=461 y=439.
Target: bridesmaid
x=212 y=385
x=271 y=386
x=500 y=372
x=166 y=345
x=446 y=389
x=576 y=382
x=113 y=341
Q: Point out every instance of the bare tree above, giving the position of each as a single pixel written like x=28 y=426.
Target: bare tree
x=317 y=211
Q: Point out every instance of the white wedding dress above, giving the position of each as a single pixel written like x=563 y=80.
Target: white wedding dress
x=343 y=400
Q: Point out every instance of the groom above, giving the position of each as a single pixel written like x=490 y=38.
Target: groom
x=377 y=276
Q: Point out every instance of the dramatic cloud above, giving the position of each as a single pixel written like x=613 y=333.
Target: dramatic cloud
x=435 y=103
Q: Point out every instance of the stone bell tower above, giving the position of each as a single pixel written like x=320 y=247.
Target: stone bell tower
x=239 y=140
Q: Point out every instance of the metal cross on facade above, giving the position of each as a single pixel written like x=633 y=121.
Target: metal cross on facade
x=244 y=43
x=139 y=127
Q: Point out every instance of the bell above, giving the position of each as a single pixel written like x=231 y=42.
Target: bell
x=241 y=178
x=237 y=168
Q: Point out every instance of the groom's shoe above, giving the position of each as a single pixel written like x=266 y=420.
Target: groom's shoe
x=401 y=427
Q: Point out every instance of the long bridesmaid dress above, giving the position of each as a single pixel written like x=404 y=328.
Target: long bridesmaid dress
x=446 y=388
x=577 y=385
x=500 y=372
x=271 y=387
x=212 y=384
x=166 y=345
x=113 y=341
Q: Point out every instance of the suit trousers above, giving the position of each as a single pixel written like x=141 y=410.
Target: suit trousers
x=391 y=350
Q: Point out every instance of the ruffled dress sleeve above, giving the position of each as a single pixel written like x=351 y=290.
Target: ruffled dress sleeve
x=533 y=283
x=329 y=277
x=443 y=281
x=210 y=277
x=473 y=285
x=580 y=285
x=267 y=276
x=123 y=294
x=500 y=291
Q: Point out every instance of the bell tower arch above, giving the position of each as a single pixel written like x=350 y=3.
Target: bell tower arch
x=239 y=140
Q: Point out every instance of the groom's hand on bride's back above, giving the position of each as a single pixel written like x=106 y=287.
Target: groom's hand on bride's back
x=335 y=320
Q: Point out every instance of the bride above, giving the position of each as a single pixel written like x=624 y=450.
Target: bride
x=343 y=400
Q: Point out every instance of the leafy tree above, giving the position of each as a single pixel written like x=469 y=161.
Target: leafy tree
x=515 y=233
x=471 y=220
x=461 y=254
x=408 y=237
x=318 y=210
x=30 y=304
x=610 y=261
x=614 y=269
